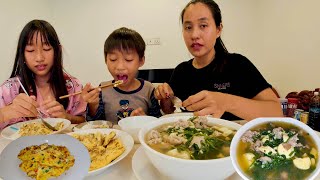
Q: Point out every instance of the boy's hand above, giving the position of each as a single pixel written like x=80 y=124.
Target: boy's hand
x=138 y=112
x=90 y=94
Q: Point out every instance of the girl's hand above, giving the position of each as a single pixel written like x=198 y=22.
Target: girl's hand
x=163 y=91
x=90 y=94
x=206 y=103
x=138 y=112
x=55 y=109
x=22 y=106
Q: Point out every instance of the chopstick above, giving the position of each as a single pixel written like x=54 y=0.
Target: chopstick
x=115 y=84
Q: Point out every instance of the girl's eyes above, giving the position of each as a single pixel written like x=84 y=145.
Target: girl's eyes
x=47 y=49
x=44 y=49
x=129 y=60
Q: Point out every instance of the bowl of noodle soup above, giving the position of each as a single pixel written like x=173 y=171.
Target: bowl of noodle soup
x=188 y=147
x=276 y=148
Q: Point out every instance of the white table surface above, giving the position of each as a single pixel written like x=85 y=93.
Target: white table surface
x=120 y=171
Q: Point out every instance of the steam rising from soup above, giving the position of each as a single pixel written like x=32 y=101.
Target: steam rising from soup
x=277 y=151
x=191 y=139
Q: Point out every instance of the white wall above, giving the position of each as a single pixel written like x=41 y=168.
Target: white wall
x=13 y=17
x=279 y=37
x=290 y=44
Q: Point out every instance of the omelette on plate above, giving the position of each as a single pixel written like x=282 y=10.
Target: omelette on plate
x=103 y=148
x=45 y=161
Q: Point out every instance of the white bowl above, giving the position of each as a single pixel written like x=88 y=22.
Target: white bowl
x=9 y=162
x=259 y=121
x=124 y=137
x=133 y=124
x=176 y=168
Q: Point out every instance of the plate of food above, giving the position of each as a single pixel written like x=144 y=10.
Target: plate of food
x=106 y=147
x=43 y=157
x=98 y=124
x=34 y=127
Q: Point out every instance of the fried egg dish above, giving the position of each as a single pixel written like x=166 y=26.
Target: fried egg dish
x=37 y=128
x=103 y=148
x=44 y=161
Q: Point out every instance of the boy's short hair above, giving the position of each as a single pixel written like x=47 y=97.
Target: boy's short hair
x=125 y=39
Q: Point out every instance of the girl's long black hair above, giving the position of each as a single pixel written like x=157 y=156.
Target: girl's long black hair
x=49 y=36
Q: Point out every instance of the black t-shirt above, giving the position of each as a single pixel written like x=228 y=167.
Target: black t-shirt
x=233 y=74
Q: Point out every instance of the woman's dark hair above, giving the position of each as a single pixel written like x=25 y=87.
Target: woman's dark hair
x=216 y=14
x=49 y=37
x=125 y=39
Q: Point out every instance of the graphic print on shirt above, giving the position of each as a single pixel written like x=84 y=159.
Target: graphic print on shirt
x=221 y=86
x=125 y=110
x=8 y=84
x=69 y=84
x=74 y=106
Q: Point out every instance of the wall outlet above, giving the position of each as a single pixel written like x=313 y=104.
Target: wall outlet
x=153 y=41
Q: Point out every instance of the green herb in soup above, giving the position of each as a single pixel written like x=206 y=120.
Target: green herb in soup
x=277 y=151
x=191 y=139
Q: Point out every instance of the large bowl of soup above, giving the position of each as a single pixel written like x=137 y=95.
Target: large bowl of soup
x=187 y=147
x=276 y=148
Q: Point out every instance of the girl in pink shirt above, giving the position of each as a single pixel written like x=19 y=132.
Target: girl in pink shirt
x=38 y=65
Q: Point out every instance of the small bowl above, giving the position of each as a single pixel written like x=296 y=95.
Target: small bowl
x=260 y=121
x=186 y=169
x=97 y=124
x=133 y=124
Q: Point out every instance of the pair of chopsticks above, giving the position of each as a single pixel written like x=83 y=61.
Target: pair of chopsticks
x=40 y=114
x=115 y=84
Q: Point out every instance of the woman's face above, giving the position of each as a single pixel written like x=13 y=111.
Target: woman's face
x=39 y=56
x=199 y=30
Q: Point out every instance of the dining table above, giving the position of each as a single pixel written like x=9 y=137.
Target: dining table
x=123 y=170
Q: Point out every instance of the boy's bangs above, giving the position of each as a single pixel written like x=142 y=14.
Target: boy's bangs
x=122 y=45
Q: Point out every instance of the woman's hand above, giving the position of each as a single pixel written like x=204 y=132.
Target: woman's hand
x=207 y=103
x=138 y=112
x=22 y=106
x=163 y=91
x=54 y=108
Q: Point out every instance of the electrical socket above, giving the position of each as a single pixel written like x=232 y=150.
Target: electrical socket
x=153 y=41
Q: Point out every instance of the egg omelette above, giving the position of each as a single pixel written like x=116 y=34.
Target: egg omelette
x=45 y=161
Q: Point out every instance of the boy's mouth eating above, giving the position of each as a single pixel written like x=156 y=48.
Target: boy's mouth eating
x=124 y=78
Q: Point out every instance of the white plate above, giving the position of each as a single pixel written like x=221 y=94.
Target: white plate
x=125 y=138
x=144 y=170
x=9 y=162
x=12 y=132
